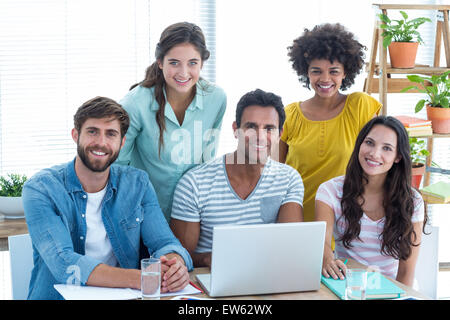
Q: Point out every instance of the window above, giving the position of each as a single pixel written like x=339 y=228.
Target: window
x=55 y=55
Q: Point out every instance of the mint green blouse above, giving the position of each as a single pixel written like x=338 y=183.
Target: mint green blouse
x=186 y=145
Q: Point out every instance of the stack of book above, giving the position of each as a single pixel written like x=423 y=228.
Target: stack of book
x=438 y=192
x=416 y=127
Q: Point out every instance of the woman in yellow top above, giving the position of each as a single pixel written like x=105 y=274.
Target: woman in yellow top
x=319 y=133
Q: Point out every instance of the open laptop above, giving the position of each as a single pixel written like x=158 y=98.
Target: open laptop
x=265 y=258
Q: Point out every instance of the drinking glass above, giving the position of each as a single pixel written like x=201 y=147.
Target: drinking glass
x=150 y=278
x=355 y=284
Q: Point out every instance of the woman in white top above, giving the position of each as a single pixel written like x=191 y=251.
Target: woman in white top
x=373 y=212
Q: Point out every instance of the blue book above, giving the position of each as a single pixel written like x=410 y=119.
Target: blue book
x=378 y=287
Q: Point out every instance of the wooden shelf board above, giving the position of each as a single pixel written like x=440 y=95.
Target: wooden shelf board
x=412 y=6
x=432 y=200
x=394 y=85
x=434 y=135
x=11 y=227
x=439 y=135
x=418 y=69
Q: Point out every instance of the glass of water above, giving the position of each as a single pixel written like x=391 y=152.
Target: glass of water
x=355 y=284
x=150 y=278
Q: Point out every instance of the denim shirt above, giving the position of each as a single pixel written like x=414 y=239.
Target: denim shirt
x=55 y=207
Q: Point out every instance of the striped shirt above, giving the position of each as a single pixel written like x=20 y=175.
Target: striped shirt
x=367 y=250
x=204 y=195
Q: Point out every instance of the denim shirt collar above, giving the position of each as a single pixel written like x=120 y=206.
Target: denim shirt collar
x=73 y=184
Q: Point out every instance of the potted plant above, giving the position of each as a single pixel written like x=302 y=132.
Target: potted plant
x=402 y=39
x=437 y=89
x=11 y=195
x=419 y=154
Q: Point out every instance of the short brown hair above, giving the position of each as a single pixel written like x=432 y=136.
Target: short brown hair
x=102 y=107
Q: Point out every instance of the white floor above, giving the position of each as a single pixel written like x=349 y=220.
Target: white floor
x=5 y=280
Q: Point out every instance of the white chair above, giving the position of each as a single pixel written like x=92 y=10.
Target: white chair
x=21 y=259
x=427 y=267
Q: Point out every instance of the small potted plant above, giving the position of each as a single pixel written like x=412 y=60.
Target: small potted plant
x=11 y=195
x=437 y=89
x=419 y=154
x=402 y=39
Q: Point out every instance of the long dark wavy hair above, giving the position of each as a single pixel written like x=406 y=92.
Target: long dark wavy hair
x=398 y=234
x=175 y=34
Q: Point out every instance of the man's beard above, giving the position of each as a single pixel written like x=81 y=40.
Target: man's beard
x=91 y=165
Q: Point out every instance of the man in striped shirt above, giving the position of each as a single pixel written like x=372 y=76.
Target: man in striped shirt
x=243 y=187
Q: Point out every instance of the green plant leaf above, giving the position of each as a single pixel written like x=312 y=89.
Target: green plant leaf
x=415 y=78
x=384 y=18
x=401 y=30
x=387 y=41
x=419 y=105
x=443 y=101
x=418 y=150
x=409 y=88
x=432 y=90
x=445 y=75
x=435 y=78
x=11 y=186
x=403 y=13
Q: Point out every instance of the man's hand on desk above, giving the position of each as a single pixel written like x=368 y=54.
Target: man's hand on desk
x=174 y=274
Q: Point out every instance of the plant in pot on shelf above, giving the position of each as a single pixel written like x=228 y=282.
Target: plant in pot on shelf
x=11 y=196
x=437 y=101
x=402 y=39
x=419 y=154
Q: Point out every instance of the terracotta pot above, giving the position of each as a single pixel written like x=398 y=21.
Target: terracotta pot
x=403 y=54
x=417 y=174
x=440 y=119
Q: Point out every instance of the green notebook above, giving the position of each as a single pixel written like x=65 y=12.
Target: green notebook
x=378 y=287
x=439 y=189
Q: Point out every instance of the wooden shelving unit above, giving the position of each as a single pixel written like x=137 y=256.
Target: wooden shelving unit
x=385 y=84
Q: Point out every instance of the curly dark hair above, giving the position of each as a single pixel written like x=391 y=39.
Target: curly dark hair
x=398 y=235
x=327 y=41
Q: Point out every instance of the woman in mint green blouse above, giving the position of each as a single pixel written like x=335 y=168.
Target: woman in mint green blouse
x=175 y=116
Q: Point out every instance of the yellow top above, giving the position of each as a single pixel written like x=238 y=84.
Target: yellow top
x=320 y=150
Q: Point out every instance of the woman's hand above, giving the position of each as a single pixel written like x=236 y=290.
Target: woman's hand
x=334 y=268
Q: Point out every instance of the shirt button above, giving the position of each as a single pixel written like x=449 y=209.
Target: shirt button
x=137 y=219
x=82 y=215
x=81 y=238
x=84 y=196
